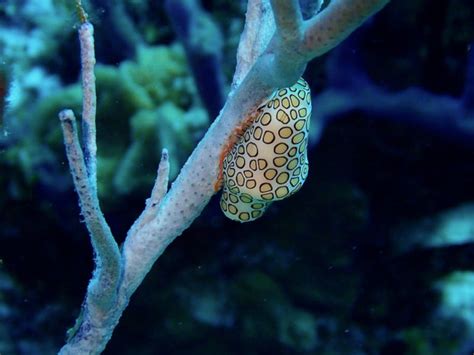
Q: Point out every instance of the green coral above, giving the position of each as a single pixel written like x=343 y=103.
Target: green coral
x=158 y=74
x=143 y=106
x=151 y=104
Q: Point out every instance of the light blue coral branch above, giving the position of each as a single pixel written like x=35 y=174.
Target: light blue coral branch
x=288 y=19
x=158 y=192
x=89 y=101
x=267 y=59
x=331 y=26
x=102 y=291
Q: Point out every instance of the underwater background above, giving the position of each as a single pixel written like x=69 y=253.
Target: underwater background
x=374 y=255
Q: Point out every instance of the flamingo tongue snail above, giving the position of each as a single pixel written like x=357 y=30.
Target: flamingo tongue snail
x=269 y=162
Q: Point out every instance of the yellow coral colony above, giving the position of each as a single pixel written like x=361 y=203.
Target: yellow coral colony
x=269 y=162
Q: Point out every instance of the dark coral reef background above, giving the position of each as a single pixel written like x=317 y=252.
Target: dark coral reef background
x=375 y=254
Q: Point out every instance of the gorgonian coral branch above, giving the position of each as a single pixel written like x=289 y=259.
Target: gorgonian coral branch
x=331 y=26
x=89 y=102
x=158 y=192
x=102 y=288
x=288 y=18
x=268 y=59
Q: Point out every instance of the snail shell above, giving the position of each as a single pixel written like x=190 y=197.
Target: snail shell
x=269 y=162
